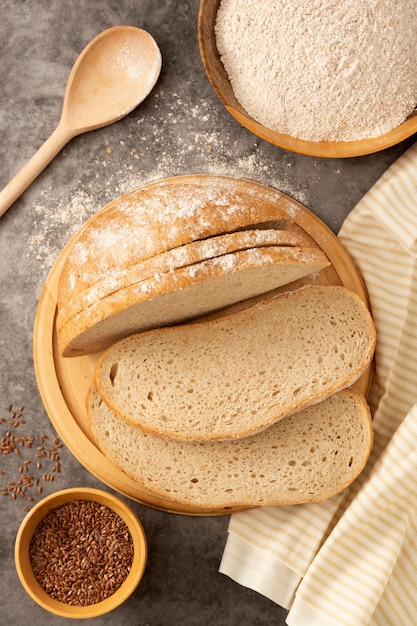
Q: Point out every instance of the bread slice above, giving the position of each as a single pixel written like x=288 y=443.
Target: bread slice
x=185 y=293
x=234 y=376
x=164 y=215
x=307 y=457
x=72 y=301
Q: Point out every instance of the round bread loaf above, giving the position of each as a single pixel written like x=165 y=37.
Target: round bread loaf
x=184 y=294
x=122 y=277
x=161 y=216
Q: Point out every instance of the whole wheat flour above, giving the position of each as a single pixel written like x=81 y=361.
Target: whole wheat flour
x=321 y=70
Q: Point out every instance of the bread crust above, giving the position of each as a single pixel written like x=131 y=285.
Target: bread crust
x=163 y=215
x=71 y=302
x=185 y=293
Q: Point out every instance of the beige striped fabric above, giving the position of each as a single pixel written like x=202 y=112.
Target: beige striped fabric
x=352 y=560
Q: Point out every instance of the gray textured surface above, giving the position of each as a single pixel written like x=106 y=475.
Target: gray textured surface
x=181 y=128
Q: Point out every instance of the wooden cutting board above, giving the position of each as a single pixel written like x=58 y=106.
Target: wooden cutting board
x=63 y=383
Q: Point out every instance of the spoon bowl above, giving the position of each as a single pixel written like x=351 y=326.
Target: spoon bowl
x=111 y=77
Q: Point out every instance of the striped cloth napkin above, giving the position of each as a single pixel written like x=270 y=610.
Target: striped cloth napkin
x=352 y=559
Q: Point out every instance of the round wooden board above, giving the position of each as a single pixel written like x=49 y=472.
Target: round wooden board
x=63 y=383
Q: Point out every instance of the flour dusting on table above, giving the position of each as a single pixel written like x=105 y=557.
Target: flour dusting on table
x=197 y=146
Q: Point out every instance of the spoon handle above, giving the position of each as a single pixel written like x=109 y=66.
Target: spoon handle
x=33 y=167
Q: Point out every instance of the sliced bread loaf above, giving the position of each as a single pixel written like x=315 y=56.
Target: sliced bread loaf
x=73 y=301
x=185 y=293
x=236 y=375
x=163 y=215
x=307 y=457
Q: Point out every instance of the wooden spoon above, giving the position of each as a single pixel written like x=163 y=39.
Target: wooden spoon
x=112 y=75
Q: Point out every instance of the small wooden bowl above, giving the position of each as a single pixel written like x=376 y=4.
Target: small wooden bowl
x=222 y=87
x=24 y=568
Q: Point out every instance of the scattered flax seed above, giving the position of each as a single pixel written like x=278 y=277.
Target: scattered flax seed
x=12 y=444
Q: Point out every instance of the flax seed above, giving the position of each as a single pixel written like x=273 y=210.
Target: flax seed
x=11 y=444
x=71 y=563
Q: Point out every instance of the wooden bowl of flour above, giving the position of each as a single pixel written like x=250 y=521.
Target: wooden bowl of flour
x=220 y=82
